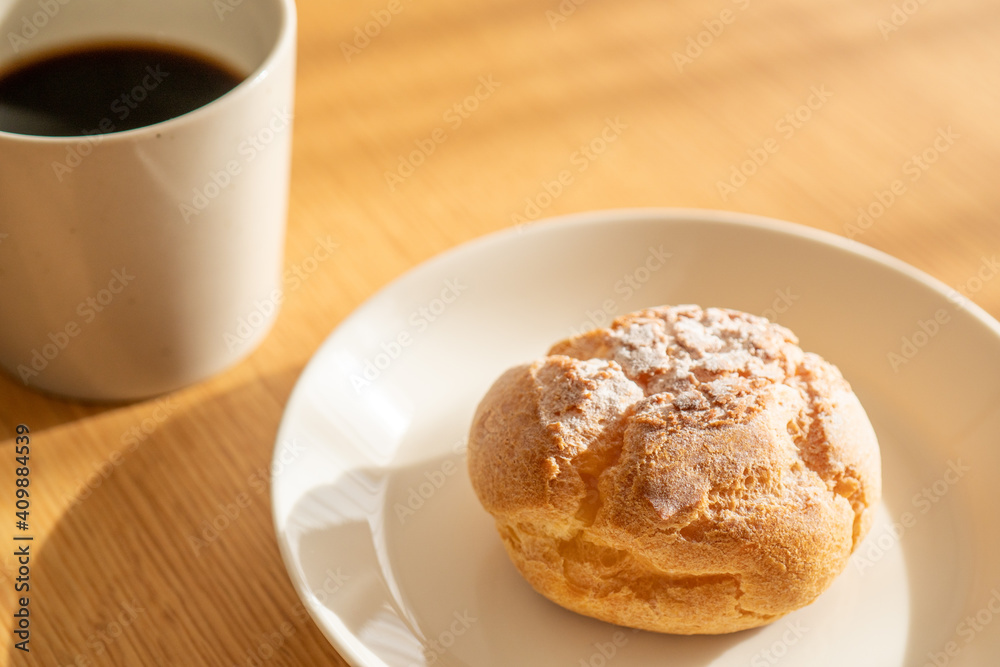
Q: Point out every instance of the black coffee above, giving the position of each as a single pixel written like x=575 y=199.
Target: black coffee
x=108 y=88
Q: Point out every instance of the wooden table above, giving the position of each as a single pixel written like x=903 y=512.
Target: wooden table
x=864 y=118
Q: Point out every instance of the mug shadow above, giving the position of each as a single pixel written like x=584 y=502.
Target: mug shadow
x=20 y=404
x=179 y=535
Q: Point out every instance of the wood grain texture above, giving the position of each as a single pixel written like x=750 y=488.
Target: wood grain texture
x=113 y=522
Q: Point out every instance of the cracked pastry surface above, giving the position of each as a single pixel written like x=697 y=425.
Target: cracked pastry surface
x=685 y=470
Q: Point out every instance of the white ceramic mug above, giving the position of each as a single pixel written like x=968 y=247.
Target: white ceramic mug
x=137 y=262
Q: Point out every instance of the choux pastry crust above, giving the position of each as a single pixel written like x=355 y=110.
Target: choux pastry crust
x=684 y=470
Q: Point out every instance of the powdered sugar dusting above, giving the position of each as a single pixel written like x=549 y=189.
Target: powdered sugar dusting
x=710 y=359
x=580 y=398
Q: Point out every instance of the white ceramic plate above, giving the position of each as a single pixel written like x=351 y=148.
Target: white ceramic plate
x=398 y=564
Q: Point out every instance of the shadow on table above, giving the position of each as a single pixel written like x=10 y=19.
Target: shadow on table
x=172 y=559
x=21 y=404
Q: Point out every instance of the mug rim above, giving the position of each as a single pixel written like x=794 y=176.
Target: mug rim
x=285 y=40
